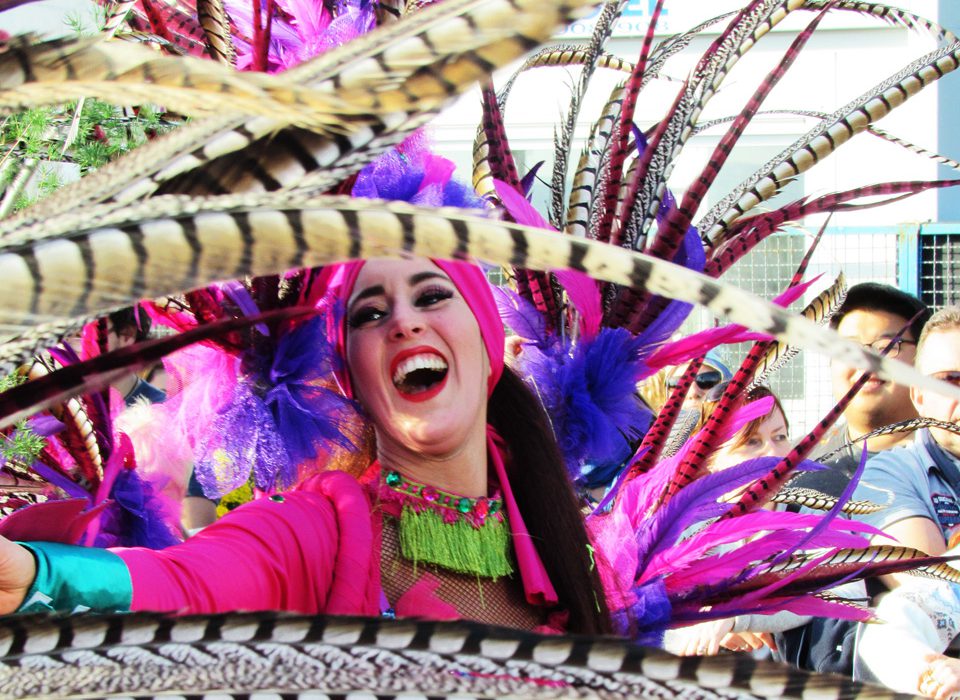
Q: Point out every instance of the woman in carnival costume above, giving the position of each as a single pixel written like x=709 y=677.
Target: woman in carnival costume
x=466 y=512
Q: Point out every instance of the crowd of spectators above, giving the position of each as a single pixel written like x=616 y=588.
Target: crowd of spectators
x=913 y=473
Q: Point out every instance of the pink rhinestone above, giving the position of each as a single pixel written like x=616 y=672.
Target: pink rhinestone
x=429 y=494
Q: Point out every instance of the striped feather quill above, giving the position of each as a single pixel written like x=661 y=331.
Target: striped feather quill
x=148 y=655
x=65 y=268
x=825 y=138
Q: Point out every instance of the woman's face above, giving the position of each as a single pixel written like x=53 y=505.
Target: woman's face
x=416 y=359
x=769 y=440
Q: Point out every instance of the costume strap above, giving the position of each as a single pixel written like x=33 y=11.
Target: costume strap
x=73 y=579
x=536 y=582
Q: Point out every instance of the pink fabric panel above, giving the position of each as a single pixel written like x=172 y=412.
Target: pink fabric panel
x=267 y=555
x=421 y=601
x=536 y=582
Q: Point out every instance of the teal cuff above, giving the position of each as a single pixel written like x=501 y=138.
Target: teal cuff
x=75 y=579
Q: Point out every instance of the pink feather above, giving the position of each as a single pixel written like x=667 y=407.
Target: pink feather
x=200 y=381
x=519 y=208
x=723 y=532
x=584 y=294
x=695 y=345
x=638 y=497
x=89 y=341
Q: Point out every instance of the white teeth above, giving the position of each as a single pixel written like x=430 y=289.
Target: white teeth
x=411 y=364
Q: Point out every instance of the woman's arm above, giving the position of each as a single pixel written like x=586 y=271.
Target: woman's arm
x=279 y=553
x=918 y=622
x=269 y=554
x=18 y=569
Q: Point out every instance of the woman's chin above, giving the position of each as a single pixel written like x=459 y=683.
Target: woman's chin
x=430 y=436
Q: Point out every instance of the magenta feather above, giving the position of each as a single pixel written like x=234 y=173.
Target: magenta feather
x=640 y=495
x=518 y=207
x=722 y=532
x=584 y=294
x=680 y=351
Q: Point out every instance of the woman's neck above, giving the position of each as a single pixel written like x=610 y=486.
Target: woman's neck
x=463 y=471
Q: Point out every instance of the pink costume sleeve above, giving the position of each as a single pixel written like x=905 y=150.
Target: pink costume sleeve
x=310 y=552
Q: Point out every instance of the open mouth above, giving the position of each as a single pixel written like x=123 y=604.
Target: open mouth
x=420 y=376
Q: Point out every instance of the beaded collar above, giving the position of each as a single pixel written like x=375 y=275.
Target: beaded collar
x=466 y=535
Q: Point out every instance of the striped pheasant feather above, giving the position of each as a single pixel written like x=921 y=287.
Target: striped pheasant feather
x=819 y=310
x=653 y=443
x=216 y=26
x=671 y=232
x=708 y=438
x=405 y=56
x=576 y=56
x=749 y=231
x=760 y=492
x=825 y=138
x=892 y=15
x=611 y=11
x=876 y=558
x=172 y=20
x=149 y=655
x=743 y=32
x=815 y=500
x=581 y=204
x=50 y=72
x=116 y=14
x=112 y=256
x=901 y=427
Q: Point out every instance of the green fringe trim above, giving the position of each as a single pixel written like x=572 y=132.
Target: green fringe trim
x=458 y=546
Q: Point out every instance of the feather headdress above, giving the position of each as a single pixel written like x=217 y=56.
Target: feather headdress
x=257 y=208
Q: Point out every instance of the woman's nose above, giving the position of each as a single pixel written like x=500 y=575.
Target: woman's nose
x=406 y=322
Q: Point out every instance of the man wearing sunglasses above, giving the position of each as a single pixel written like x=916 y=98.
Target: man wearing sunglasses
x=921 y=482
x=872 y=315
x=711 y=374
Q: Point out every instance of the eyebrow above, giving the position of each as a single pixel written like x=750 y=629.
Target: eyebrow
x=415 y=279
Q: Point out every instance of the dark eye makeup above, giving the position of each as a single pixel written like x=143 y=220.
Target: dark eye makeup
x=372 y=312
x=433 y=294
x=364 y=315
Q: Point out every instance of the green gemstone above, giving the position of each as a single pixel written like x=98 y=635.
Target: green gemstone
x=277 y=497
x=464 y=505
x=493 y=507
x=394 y=479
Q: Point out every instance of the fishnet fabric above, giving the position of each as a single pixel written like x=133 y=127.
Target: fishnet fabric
x=499 y=602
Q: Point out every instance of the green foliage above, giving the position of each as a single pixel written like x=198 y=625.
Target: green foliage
x=86 y=23
x=30 y=130
x=45 y=181
x=23 y=445
x=11 y=380
x=104 y=132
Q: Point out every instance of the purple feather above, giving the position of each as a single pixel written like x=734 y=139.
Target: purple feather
x=589 y=392
x=136 y=517
x=521 y=317
x=240 y=296
x=526 y=183
x=695 y=503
